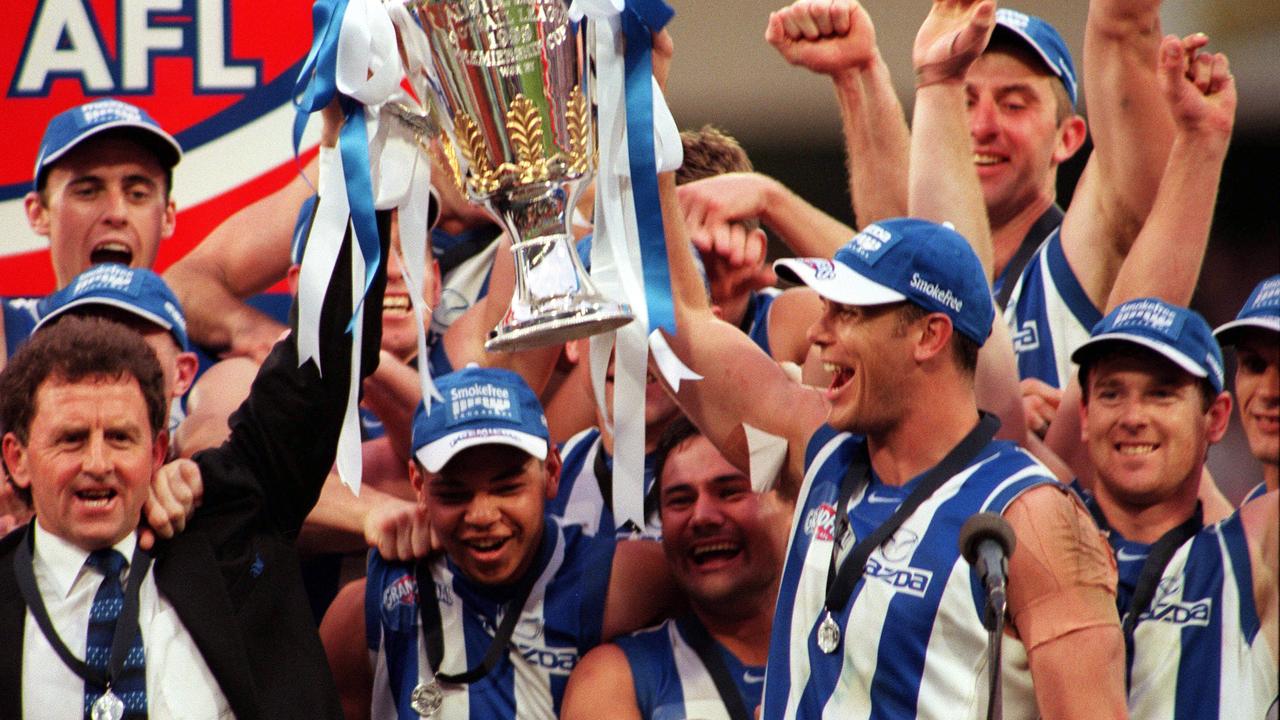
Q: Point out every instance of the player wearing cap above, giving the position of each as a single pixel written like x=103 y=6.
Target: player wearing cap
x=1199 y=603
x=516 y=597
x=894 y=455
x=724 y=544
x=1022 y=125
x=1255 y=334
x=101 y=193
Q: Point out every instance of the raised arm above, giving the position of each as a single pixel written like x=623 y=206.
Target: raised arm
x=1131 y=129
x=1165 y=261
x=838 y=39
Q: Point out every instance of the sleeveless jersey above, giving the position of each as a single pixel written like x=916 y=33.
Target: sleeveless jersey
x=1049 y=315
x=561 y=620
x=913 y=644
x=1197 y=650
x=20 y=317
x=671 y=683
x=579 y=500
x=755 y=323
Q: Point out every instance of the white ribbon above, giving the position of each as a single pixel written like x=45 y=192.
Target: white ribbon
x=672 y=369
x=768 y=453
x=615 y=252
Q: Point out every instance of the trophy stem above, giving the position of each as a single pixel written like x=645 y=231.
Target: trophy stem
x=554 y=300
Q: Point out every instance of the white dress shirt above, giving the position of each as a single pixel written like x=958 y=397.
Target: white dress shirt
x=179 y=683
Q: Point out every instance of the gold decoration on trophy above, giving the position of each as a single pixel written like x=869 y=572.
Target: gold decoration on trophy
x=451 y=161
x=524 y=126
x=579 y=126
x=482 y=179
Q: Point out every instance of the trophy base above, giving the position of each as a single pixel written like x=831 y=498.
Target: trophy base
x=554 y=328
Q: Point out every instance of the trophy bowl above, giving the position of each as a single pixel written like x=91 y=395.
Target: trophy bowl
x=506 y=80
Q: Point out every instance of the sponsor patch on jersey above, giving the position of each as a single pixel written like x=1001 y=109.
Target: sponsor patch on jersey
x=820 y=522
x=400 y=604
x=902 y=578
x=1169 y=607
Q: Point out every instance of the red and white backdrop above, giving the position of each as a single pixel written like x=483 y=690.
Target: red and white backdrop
x=218 y=74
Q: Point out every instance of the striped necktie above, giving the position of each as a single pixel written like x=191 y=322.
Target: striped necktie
x=130 y=687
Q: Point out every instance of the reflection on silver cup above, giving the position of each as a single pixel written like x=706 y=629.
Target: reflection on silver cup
x=507 y=79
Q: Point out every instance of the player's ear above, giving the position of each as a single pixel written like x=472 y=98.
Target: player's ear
x=552 y=465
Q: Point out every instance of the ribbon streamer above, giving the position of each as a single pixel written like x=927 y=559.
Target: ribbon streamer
x=637 y=139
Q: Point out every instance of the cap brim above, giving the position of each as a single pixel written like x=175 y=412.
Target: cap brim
x=110 y=302
x=843 y=285
x=1035 y=46
x=1227 y=334
x=148 y=128
x=1177 y=357
x=435 y=455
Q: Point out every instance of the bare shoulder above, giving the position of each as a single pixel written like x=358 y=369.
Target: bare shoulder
x=601 y=686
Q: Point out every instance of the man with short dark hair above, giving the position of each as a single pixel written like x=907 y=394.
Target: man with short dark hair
x=724 y=544
x=220 y=626
x=1255 y=334
x=101 y=193
x=514 y=600
x=1198 y=602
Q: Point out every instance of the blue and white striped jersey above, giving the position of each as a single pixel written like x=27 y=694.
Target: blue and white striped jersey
x=1049 y=315
x=671 y=683
x=1256 y=492
x=1198 y=653
x=561 y=620
x=756 y=322
x=913 y=644
x=579 y=500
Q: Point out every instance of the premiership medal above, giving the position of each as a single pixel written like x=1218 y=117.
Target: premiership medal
x=426 y=699
x=828 y=634
x=107 y=707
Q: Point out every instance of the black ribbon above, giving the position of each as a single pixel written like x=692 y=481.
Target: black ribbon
x=1048 y=220
x=126 y=623
x=840 y=583
x=700 y=640
x=433 y=626
x=1153 y=567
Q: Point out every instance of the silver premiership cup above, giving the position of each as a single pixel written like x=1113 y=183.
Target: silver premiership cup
x=522 y=144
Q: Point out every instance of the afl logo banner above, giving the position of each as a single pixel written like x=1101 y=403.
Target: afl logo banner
x=216 y=74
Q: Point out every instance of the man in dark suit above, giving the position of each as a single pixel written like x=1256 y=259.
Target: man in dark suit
x=223 y=622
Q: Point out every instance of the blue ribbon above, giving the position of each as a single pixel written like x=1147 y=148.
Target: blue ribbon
x=315 y=88
x=640 y=19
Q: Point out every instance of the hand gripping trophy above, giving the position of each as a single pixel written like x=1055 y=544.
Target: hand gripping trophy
x=505 y=80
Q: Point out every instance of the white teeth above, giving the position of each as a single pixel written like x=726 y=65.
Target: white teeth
x=486 y=544
x=1136 y=449
x=716 y=547
x=984 y=159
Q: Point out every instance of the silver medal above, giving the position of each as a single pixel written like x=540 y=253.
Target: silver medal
x=107 y=707
x=426 y=698
x=828 y=635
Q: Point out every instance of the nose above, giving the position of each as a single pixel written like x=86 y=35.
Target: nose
x=117 y=206
x=95 y=462
x=983 y=127
x=706 y=511
x=1269 y=390
x=481 y=512
x=819 y=333
x=1133 y=415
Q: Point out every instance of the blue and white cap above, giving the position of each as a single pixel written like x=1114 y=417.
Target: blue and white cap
x=137 y=291
x=890 y=261
x=480 y=406
x=1044 y=39
x=72 y=127
x=1261 y=310
x=1176 y=333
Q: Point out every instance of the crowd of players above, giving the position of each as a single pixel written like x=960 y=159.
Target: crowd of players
x=970 y=347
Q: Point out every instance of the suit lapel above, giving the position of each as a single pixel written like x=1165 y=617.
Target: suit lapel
x=13 y=614
x=188 y=575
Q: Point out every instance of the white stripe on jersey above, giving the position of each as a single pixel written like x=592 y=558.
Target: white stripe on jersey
x=695 y=682
x=584 y=504
x=810 y=597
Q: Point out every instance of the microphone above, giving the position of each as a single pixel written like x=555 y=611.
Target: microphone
x=986 y=542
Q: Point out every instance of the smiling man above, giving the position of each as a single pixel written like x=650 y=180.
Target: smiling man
x=1199 y=603
x=1255 y=334
x=724 y=543
x=101 y=193
x=514 y=600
